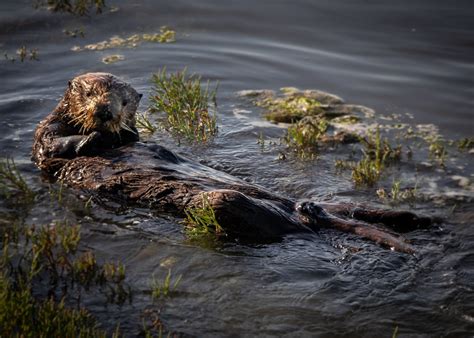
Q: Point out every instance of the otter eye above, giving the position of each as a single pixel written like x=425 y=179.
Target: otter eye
x=124 y=103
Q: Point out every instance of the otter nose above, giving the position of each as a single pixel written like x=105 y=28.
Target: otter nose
x=103 y=113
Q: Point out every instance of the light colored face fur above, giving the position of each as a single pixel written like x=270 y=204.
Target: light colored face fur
x=101 y=102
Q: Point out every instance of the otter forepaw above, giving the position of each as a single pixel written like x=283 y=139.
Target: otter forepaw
x=87 y=144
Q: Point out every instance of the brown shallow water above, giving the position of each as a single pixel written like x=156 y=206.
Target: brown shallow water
x=398 y=58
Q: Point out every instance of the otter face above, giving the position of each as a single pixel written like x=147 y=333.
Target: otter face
x=101 y=102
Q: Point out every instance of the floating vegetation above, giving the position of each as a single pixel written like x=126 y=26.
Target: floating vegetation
x=166 y=35
x=46 y=259
x=366 y=172
x=348 y=119
x=466 y=143
x=397 y=194
x=190 y=108
x=437 y=149
x=77 y=7
x=316 y=117
x=304 y=135
x=343 y=164
x=164 y=288
x=12 y=184
x=292 y=106
x=23 y=54
x=261 y=141
x=74 y=33
x=201 y=221
x=380 y=150
x=377 y=153
x=112 y=58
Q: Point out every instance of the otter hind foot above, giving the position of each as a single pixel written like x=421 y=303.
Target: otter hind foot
x=312 y=214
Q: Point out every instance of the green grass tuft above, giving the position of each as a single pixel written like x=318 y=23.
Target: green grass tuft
x=12 y=184
x=144 y=123
x=164 y=288
x=377 y=154
x=303 y=136
x=397 y=194
x=47 y=260
x=77 y=7
x=201 y=221
x=437 y=150
x=190 y=108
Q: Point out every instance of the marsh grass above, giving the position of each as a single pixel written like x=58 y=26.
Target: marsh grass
x=22 y=315
x=51 y=253
x=377 y=154
x=303 y=136
x=47 y=260
x=398 y=195
x=77 y=7
x=12 y=185
x=380 y=150
x=144 y=123
x=465 y=144
x=190 y=108
x=437 y=150
x=201 y=221
x=164 y=288
x=366 y=172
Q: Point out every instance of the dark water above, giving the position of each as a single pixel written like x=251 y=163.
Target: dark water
x=414 y=57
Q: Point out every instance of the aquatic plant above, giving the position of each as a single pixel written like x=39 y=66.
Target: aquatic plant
x=164 y=288
x=380 y=150
x=35 y=258
x=437 y=150
x=190 y=108
x=22 y=315
x=23 y=54
x=310 y=113
x=377 y=153
x=112 y=58
x=78 y=7
x=397 y=194
x=166 y=35
x=290 y=108
x=303 y=136
x=75 y=32
x=366 y=172
x=201 y=221
x=144 y=123
x=466 y=143
x=343 y=165
x=12 y=184
x=292 y=104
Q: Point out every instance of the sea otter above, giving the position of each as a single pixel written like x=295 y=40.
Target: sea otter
x=90 y=142
x=97 y=112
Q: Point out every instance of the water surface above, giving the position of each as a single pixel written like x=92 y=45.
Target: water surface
x=413 y=59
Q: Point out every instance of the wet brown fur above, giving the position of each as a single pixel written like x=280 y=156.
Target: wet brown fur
x=74 y=119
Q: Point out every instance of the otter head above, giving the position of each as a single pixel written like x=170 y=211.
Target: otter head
x=100 y=102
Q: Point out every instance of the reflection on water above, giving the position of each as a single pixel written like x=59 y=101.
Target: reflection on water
x=397 y=58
